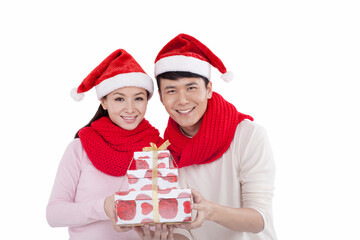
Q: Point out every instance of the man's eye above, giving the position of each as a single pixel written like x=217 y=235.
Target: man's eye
x=170 y=91
x=191 y=88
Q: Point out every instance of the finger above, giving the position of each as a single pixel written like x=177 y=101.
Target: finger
x=177 y=225
x=147 y=232
x=157 y=234
x=196 y=195
x=164 y=232
x=199 y=220
x=121 y=229
x=195 y=224
x=197 y=207
x=139 y=231
x=171 y=232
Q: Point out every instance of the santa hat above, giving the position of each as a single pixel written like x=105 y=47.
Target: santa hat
x=118 y=70
x=186 y=53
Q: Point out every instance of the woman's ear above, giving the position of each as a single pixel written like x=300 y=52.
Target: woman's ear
x=103 y=103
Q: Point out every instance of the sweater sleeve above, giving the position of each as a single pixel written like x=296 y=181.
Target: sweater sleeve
x=257 y=170
x=62 y=209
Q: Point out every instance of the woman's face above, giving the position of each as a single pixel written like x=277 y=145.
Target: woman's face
x=126 y=106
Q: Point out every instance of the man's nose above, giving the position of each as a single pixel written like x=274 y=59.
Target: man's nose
x=183 y=98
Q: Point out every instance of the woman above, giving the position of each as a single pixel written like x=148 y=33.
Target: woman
x=95 y=162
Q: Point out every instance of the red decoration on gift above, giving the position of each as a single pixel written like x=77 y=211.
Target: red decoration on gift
x=142 y=164
x=168 y=208
x=142 y=197
x=147 y=187
x=164 y=191
x=132 y=179
x=187 y=219
x=146 y=208
x=148 y=174
x=161 y=165
x=187 y=207
x=126 y=210
x=163 y=155
x=147 y=220
x=184 y=195
x=122 y=193
x=170 y=177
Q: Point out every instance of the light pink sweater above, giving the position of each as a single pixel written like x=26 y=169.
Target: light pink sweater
x=77 y=198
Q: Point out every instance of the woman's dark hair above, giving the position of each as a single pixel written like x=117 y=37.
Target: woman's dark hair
x=176 y=75
x=101 y=112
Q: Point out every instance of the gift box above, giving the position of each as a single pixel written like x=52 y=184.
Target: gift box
x=141 y=179
x=153 y=195
x=144 y=160
x=140 y=207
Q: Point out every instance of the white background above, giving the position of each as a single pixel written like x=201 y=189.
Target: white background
x=296 y=66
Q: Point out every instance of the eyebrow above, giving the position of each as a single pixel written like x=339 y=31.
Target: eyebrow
x=186 y=85
x=191 y=83
x=140 y=93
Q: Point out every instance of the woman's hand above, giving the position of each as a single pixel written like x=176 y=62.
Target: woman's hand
x=162 y=232
x=110 y=210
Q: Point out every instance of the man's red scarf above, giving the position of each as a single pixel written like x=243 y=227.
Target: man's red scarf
x=110 y=148
x=214 y=137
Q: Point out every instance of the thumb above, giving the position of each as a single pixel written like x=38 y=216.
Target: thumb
x=196 y=195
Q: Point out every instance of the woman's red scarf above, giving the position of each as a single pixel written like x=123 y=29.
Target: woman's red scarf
x=214 y=137
x=110 y=148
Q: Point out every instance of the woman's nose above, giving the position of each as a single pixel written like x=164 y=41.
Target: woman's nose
x=130 y=108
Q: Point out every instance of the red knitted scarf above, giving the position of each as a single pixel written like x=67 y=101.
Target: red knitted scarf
x=214 y=137
x=110 y=148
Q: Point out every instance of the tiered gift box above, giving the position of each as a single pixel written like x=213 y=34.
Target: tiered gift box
x=153 y=196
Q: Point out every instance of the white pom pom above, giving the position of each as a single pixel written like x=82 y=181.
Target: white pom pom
x=76 y=96
x=227 y=77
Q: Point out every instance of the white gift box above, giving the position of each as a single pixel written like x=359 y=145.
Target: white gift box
x=137 y=208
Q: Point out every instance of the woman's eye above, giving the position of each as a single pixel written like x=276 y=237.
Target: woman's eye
x=139 y=99
x=119 y=99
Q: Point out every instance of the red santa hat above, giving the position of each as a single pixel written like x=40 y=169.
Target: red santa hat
x=118 y=70
x=186 y=53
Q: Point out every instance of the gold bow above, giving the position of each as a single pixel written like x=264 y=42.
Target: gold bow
x=153 y=146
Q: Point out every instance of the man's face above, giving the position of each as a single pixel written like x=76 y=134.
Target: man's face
x=185 y=99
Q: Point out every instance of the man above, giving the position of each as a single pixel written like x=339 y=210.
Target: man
x=221 y=154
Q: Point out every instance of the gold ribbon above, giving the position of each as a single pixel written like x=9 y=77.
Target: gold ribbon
x=155 y=187
x=153 y=147
x=155 y=199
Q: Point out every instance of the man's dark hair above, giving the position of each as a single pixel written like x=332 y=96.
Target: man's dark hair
x=176 y=75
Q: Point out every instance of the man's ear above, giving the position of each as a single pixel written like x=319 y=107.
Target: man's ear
x=209 y=90
x=161 y=100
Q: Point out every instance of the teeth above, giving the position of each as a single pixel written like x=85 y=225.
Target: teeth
x=184 y=111
x=129 y=118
